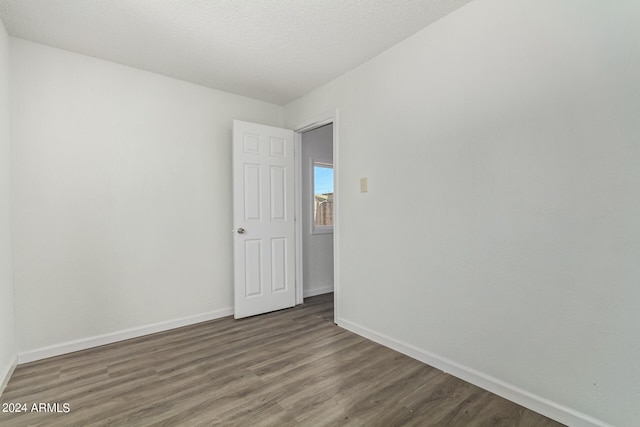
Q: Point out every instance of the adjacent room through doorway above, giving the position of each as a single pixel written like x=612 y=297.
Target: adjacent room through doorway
x=317 y=178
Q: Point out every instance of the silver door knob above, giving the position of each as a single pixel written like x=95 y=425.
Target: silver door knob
x=240 y=230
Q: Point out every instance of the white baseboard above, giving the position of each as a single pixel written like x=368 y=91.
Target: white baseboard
x=95 y=341
x=5 y=374
x=319 y=291
x=515 y=394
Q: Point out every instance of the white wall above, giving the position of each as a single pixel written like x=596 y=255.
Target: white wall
x=502 y=150
x=123 y=198
x=7 y=318
x=317 y=249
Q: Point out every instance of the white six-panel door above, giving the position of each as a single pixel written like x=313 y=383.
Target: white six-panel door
x=263 y=215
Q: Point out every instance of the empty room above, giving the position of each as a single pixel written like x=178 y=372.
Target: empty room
x=320 y=212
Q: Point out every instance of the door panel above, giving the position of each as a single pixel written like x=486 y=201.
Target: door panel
x=278 y=265
x=278 y=194
x=263 y=207
x=251 y=194
x=253 y=263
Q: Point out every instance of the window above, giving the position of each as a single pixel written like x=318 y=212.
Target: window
x=322 y=209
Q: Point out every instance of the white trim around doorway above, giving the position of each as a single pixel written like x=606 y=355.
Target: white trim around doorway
x=325 y=118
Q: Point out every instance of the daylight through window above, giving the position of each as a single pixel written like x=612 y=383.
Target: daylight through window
x=322 y=196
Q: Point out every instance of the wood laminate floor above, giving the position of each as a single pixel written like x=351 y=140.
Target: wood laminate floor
x=292 y=367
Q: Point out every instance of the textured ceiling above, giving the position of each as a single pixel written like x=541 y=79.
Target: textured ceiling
x=273 y=50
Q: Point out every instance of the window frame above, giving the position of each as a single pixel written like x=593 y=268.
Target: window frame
x=318 y=229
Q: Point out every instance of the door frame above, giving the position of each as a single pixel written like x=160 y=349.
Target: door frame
x=325 y=118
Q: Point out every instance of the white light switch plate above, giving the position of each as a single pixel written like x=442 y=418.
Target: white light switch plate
x=364 y=185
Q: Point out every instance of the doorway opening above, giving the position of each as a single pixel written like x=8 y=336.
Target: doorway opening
x=316 y=208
